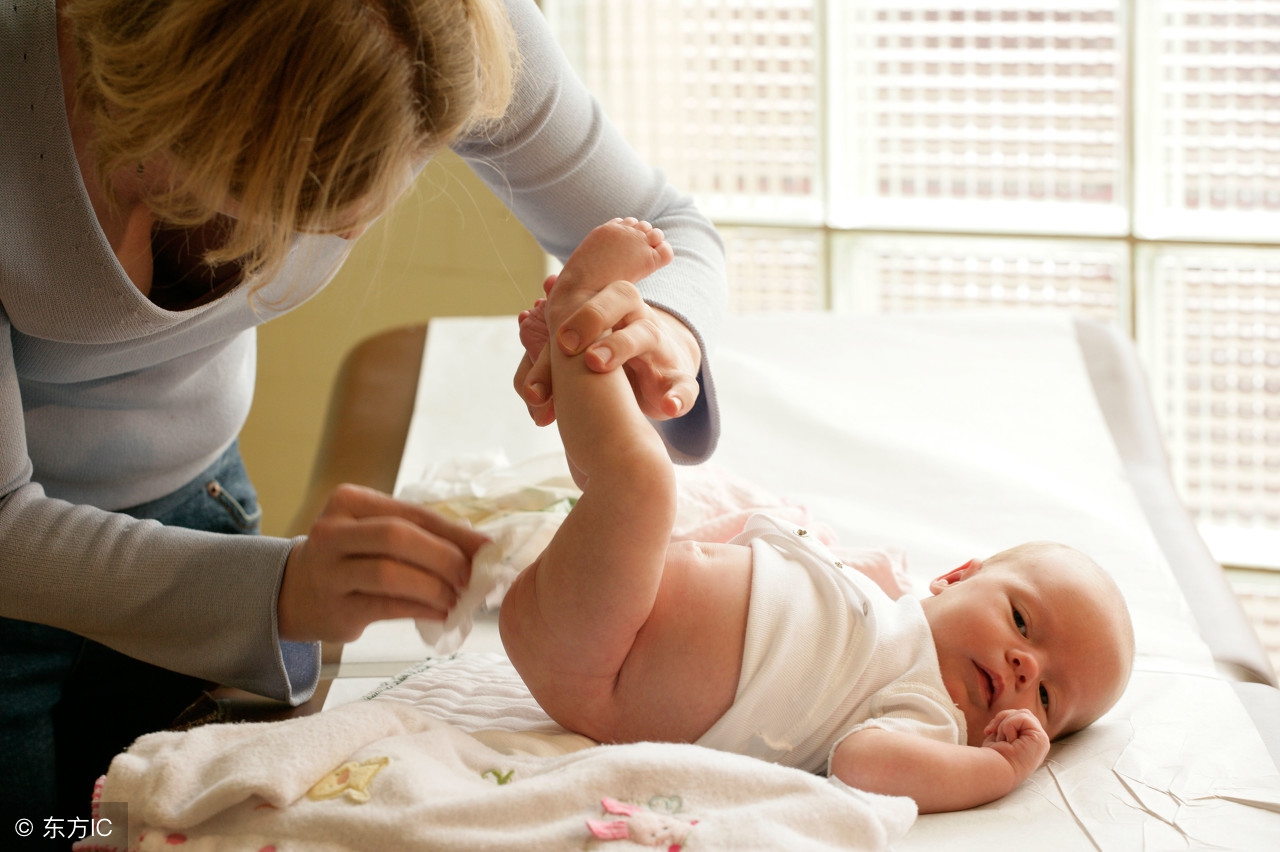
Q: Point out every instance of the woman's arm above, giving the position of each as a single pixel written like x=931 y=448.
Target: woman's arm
x=207 y=604
x=562 y=167
x=196 y=602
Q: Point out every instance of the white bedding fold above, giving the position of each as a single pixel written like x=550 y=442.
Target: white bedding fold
x=383 y=775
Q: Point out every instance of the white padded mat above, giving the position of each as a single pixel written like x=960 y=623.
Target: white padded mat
x=951 y=437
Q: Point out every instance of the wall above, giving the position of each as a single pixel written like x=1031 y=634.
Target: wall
x=448 y=249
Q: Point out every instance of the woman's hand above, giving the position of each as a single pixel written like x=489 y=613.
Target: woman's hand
x=368 y=557
x=615 y=327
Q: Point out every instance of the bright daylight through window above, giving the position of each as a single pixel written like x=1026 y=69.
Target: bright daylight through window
x=1116 y=159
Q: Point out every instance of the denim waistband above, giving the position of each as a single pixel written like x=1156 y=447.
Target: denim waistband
x=227 y=468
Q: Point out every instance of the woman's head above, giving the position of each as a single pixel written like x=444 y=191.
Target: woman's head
x=292 y=115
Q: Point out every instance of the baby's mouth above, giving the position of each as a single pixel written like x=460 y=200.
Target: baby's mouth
x=986 y=685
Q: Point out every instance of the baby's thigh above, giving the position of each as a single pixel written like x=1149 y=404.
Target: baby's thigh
x=683 y=670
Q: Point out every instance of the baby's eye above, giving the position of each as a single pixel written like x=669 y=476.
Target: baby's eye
x=1019 y=622
x=1044 y=697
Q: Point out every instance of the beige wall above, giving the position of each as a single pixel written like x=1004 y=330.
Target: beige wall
x=448 y=249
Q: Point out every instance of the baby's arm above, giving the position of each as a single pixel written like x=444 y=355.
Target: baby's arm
x=943 y=776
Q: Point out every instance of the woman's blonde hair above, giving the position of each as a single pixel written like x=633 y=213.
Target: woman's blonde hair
x=298 y=115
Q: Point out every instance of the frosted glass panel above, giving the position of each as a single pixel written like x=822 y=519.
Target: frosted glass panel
x=979 y=115
x=893 y=155
x=723 y=95
x=1209 y=128
x=775 y=269
x=1210 y=330
x=902 y=274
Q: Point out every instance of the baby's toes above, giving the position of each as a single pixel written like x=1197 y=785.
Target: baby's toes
x=533 y=331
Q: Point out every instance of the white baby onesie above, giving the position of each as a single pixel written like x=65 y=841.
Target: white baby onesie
x=827 y=653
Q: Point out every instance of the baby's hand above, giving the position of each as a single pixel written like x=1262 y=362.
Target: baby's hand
x=1020 y=738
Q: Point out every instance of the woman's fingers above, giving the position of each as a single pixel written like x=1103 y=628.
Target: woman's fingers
x=663 y=395
x=361 y=502
x=637 y=336
x=533 y=384
x=369 y=556
x=616 y=328
x=386 y=543
x=611 y=308
x=662 y=359
x=366 y=609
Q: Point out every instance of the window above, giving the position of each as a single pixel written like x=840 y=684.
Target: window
x=1116 y=158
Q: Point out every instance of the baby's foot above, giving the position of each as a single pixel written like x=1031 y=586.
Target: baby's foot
x=620 y=249
x=534 y=333
x=627 y=249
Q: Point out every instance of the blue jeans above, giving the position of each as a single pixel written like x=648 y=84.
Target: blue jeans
x=69 y=704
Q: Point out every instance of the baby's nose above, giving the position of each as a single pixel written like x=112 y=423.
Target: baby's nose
x=1026 y=668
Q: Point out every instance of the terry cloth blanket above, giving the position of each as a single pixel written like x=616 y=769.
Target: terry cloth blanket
x=381 y=775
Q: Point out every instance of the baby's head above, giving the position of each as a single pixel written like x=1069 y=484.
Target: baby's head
x=1039 y=627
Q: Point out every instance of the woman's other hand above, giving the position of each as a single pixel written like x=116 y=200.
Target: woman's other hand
x=615 y=327
x=370 y=557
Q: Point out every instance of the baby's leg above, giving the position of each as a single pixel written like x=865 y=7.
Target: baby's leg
x=571 y=619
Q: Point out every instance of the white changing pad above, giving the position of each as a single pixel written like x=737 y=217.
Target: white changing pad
x=952 y=436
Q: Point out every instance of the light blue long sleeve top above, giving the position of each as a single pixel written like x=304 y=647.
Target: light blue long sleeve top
x=108 y=401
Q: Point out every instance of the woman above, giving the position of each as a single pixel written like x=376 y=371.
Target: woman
x=174 y=174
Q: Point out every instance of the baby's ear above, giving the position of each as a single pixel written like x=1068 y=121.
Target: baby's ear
x=955 y=575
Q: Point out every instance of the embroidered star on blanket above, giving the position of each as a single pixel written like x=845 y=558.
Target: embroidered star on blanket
x=352 y=778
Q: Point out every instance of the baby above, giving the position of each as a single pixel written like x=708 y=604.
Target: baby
x=768 y=645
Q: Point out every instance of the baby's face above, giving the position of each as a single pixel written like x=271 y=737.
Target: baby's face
x=1042 y=631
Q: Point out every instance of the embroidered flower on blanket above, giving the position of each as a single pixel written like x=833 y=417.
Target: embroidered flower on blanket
x=648 y=828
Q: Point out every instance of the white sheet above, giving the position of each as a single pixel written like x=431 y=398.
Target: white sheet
x=953 y=437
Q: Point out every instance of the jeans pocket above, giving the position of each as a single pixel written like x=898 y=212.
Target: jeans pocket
x=246 y=518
